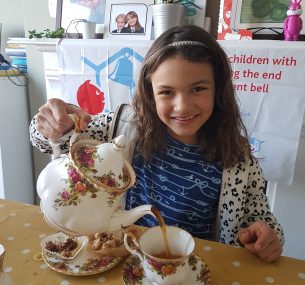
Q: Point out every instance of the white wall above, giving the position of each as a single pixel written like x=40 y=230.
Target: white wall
x=289 y=206
x=11 y=17
x=17 y=18
x=36 y=16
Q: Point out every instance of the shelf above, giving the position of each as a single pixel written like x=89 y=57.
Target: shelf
x=43 y=45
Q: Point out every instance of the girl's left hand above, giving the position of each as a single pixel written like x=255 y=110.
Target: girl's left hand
x=260 y=239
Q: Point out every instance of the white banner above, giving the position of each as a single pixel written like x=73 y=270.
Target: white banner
x=90 y=70
x=269 y=79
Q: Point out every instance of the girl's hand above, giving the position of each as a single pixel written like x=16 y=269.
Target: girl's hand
x=260 y=239
x=53 y=120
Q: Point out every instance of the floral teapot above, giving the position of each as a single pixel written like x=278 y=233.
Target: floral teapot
x=83 y=193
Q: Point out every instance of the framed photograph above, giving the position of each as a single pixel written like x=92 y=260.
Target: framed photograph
x=265 y=16
x=70 y=15
x=128 y=19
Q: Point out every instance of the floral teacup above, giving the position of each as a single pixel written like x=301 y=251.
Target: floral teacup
x=150 y=248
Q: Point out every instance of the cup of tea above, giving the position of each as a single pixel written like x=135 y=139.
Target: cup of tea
x=164 y=254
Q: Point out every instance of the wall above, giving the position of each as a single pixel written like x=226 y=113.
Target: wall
x=11 y=17
x=17 y=18
x=289 y=206
x=37 y=88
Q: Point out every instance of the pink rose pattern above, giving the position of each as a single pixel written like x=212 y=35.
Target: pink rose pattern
x=133 y=273
x=162 y=268
x=204 y=275
x=90 y=265
x=98 y=263
x=78 y=186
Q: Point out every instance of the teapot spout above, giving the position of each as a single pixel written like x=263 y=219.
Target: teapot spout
x=124 y=218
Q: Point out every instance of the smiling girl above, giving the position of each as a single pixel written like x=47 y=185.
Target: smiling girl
x=186 y=142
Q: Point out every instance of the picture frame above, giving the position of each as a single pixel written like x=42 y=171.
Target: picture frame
x=137 y=14
x=70 y=14
x=248 y=14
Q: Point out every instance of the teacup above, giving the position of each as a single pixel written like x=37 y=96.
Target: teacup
x=150 y=248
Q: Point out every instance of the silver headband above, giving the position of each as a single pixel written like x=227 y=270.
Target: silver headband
x=176 y=44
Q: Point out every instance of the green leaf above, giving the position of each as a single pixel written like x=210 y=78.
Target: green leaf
x=59 y=33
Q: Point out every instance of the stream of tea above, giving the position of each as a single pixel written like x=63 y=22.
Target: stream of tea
x=158 y=216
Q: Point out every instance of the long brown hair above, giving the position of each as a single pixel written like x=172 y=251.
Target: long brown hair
x=223 y=138
x=133 y=14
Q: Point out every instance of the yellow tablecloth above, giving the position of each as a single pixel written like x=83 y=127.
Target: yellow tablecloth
x=22 y=227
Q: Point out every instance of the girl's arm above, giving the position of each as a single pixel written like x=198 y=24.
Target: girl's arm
x=262 y=234
x=256 y=204
x=54 y=123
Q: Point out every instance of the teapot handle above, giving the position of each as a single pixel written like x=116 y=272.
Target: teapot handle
x=56 y=146
x=76 y=131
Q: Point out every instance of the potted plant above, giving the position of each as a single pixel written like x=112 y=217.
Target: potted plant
x=59 y=33
x=169 y=13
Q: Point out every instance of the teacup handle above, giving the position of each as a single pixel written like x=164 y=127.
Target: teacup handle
x=135 y=242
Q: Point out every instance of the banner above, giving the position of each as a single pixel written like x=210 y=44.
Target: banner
x=98 y=75
x=268 y=76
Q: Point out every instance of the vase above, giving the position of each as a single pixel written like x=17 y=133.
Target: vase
x=166 y=16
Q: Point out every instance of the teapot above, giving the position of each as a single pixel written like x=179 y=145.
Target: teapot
x=82 y=193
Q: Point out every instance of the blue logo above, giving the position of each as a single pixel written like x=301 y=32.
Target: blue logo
x=123 y=70
x=255 y=144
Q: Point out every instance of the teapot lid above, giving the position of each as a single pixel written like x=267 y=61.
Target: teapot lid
x=102 y=163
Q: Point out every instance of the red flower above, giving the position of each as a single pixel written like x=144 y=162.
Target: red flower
x=167 y=269
x=74 y=175
x=65 y=195
x=137 y=271
x=110 y=182
x=80 y=187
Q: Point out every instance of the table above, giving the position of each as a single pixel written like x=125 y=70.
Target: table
x=22 y=227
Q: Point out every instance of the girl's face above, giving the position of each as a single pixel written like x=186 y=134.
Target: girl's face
x=120 y=23
x=184 y=96
x=131 y=20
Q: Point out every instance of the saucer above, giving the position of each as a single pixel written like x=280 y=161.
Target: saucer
x=133 y=273
x=60 y=238
x=85 y=263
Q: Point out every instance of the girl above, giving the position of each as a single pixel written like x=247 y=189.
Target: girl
x=187 y=144
x=134 y=25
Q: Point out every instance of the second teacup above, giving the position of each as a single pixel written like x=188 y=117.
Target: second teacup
x=150 y=248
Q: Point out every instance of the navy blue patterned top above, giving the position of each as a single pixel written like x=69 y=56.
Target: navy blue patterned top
x=181 y=185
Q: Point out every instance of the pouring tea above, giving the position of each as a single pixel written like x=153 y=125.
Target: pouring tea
x=186 y=141
x=83 y=193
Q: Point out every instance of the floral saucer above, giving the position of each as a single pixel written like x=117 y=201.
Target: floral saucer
x=85 y=263
x=58 y=240
x=133 y=274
